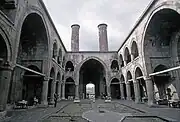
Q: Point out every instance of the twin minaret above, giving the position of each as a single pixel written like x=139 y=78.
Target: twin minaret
x=103 y=40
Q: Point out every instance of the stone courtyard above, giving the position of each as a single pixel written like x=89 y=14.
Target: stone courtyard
x=36 y=68
x=98 y=111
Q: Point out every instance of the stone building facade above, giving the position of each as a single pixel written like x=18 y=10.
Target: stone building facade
x=34 y=61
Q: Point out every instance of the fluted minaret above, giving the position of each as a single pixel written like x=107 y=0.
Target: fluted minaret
x=75 y=37
x=103 y=40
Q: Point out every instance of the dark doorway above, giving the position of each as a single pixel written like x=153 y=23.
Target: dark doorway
x=32 y=85
x=115 y=89
x=92 y=71
x=70 y=89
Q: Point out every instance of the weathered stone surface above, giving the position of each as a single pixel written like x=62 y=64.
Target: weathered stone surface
x=152 y=46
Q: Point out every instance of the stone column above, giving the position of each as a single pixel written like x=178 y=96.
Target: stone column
x=132 y=56
x=150 y=90
x=59 y=91
x=77 y=92
x=77 y=100
x=101 y=85
x=103 y=40
x=108 y=91
x=137 y=91
x=53 y=88
x=44 y=92
x=63 y=91
x=128 y=90
x=125 y=62
x=5 y=78
x=75 y=37
x=122 y=91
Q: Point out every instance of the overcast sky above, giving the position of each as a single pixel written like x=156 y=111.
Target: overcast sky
x=119 y=15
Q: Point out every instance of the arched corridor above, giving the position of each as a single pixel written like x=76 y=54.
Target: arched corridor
x=92 y=71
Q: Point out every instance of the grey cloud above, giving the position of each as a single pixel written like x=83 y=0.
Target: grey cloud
x=88 y=41
x=120 y=15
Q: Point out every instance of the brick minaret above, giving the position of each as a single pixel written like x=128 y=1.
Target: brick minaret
x=75 y=37
x=103 y=40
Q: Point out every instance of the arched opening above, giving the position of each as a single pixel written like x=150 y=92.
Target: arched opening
x=161 y=29
x=127 y=56
x=50 y=85
x=69 y=67
x=3 y=51
x=134 y=50
x=33 y=39
x=124 y=86
x=3 y=83
x=114 y=65
x=159 y=42
x=55 y=51
x=142 y=83
x=121 y=61
x=115 y=89
x=129 y=79
x=162 y=81
x=90 y=91
x=92 y=71
x=60 y=56
x=32 y=85
x=69 y=89
x=63 y=62
x=33 y=46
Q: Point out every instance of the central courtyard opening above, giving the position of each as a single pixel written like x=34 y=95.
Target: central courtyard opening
x=92 y=71
x=90 y=91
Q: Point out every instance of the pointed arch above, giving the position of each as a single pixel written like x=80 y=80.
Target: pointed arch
x=69 y=66
x=55 y=50
x=114 y=65
x=60 y=56
x=127 y=56
x=134 y=50
x=121 y=60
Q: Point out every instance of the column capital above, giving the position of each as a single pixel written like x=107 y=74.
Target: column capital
x=46 y=79
x=147 y=78
x=135 y=81
x=128 y=83
x=7 y=66
x=122 y=82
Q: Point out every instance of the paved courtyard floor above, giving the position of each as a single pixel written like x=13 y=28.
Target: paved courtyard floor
x=86 y=110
